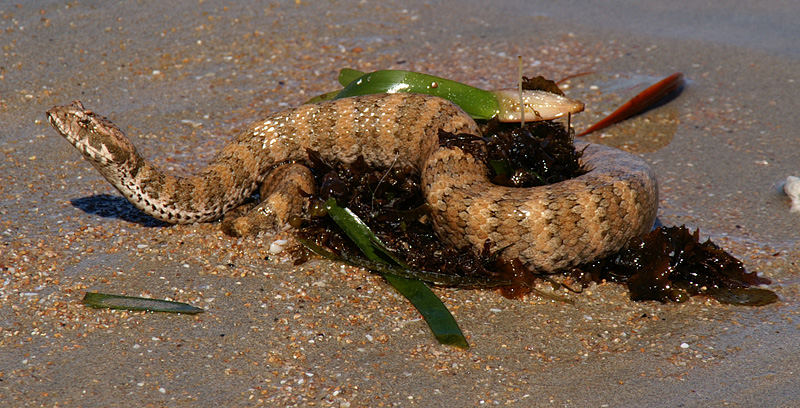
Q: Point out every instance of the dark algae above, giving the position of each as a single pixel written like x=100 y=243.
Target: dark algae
x=541 y=83
x=671 y=264
x=537 y=154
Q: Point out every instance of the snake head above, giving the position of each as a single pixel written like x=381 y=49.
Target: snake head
x=99 y=140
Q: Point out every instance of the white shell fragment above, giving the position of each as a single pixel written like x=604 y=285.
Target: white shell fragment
x=539 y=105
x=277 y=246
x=792 y=188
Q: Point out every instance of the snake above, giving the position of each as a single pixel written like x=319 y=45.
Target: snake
x=548 y=228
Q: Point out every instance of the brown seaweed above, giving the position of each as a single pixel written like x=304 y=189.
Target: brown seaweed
x=671 y=264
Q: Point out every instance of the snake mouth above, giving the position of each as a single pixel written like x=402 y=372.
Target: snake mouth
x=58 y=119
x=68 y=122
x=54 y=121
x=58 y=124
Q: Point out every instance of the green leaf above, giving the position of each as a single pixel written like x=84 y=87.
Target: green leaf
x=501 y=167
x=478 y=103
x=432 y=309
x=435 y=313
x=348 y=75
x=355 y=229
x=324 y=97
x=109 y=301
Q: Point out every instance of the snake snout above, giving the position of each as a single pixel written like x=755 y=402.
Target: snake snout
x=93 y=135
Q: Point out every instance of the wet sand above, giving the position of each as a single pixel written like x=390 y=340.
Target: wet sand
x=182 y=78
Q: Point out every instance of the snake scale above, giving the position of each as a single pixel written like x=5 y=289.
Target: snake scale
x=548 y=228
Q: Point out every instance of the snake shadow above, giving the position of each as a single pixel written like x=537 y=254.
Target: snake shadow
x=111 y=206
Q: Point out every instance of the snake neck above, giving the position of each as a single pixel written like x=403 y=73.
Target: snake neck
x=173 y=199
x=230 y=177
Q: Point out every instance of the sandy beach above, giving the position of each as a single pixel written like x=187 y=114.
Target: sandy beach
x=183 y=77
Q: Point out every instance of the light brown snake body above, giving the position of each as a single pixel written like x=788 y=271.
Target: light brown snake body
x=548 y=228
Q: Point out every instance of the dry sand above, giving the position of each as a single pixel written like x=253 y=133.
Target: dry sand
x=183 y=76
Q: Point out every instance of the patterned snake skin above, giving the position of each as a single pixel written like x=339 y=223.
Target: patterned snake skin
x=548 y=228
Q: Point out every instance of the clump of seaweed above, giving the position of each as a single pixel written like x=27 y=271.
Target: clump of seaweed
x=537 y=154
x=671 y=264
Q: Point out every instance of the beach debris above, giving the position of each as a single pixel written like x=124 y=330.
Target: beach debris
x=99 y=300
x=639 y=103
x=536 y=105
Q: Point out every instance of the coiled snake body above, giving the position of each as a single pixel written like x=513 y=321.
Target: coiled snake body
x=548 y=228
